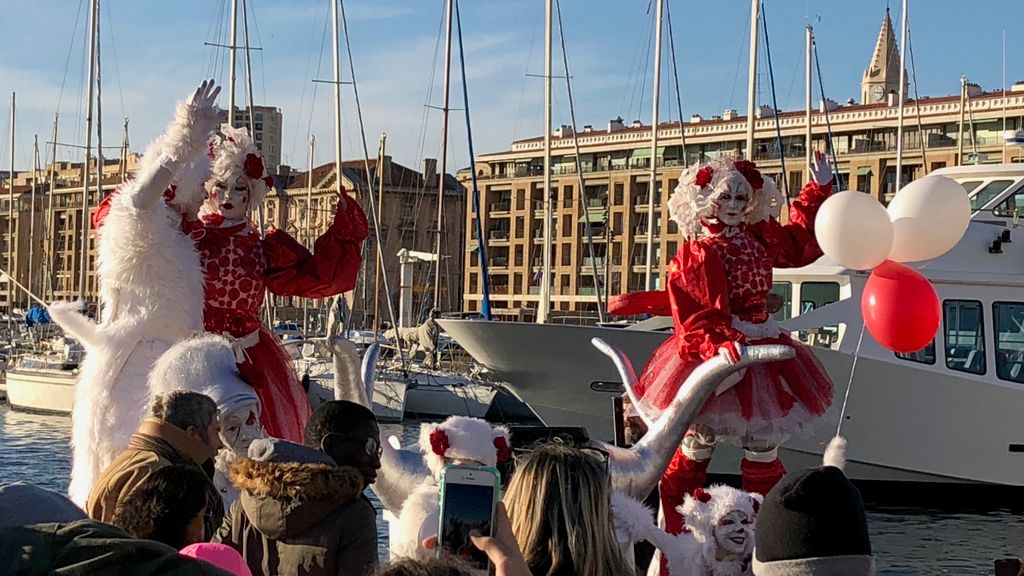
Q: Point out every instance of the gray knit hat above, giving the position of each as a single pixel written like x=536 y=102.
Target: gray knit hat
x=277 y=450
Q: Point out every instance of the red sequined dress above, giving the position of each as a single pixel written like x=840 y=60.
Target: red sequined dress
x=239 y=265
x=718 y=287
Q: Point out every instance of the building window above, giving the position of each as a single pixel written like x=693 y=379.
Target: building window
x=566 y=254
x=796 y=182
x=473 y=284
x=617 y=200
x=1008 y=318
x=519 y=256
x=965 y=336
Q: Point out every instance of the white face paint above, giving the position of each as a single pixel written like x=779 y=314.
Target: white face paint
x=734 y=534
x=239 y=427
x=231 y=199
x=731 y=206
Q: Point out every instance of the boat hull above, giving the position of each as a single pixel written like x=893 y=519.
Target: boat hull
x=41 y=392
x=903 y=423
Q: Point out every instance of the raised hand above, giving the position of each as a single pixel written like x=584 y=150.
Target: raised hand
x=821 y=172
x=203 y=107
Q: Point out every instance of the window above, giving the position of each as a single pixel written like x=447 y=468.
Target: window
x=783 y=298
x=988 y=192
x=1008 y=318
x=965 y=336
x=814 y=295
x=617 y=199
x=1011 y=206
x=925 y=355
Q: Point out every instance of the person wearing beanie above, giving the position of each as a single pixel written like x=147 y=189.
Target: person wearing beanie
x=812 y=523
x=299 y=513
x=220 y=555
x=22 y=504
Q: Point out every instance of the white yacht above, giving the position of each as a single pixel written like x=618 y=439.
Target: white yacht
x=948 y=413
x=43 y=380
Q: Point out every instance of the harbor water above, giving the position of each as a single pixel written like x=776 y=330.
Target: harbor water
x=906 y=541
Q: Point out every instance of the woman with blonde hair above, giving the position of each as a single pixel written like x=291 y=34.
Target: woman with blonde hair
x=559 y=502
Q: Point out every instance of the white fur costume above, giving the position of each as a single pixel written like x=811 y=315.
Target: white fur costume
x=151 y=294
x=692 y=553
x=206 y=364
x=467 y=439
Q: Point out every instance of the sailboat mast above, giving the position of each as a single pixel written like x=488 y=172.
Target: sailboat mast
x=755 y=12
x=83 y=265
x=809 y=138
x=443 y=161
x=653 y=186
x=903 y=87
x=308 y=235
x=336 y=36
x=378 y=253
x=49 y=240
x=233 y=63
x=32 y=215
x=99 y=110
x=12 y=236
x=960 y=125
x=545 y=281
x=124 y=152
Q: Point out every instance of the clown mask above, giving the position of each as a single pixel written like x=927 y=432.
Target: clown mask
x=231 y=199
x=731 y=205
x=734 y=535
x=239 y=427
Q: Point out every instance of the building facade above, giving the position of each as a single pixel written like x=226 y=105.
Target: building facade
x=266 y=132
x=606 y=188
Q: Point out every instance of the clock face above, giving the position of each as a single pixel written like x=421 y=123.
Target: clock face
x=877 y=92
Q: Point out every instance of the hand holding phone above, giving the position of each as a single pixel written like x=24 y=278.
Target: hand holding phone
x=469 y=495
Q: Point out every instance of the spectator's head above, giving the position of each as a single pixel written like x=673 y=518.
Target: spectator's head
x=348 y=433
x=22 y=504
x=559 y=502
x=812 y=522
x=193 y=412
x=220 y=555
x=444 y=566
x=169 y=506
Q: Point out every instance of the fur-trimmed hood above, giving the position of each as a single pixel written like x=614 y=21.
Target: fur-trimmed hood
x=283 y=499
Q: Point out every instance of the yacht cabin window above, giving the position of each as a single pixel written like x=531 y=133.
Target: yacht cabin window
x=814 y=295
x=1008 y=318
x=988 y=192
x=783 y=291
x=925 y=355
x=970 y=185
x=965 y=335
x=1010 y=207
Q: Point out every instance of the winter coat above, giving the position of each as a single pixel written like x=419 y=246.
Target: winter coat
x=301 y=518
x=90 y=548
x=157 y=444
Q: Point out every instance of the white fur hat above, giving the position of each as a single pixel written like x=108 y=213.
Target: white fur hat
x=204 y=364
x=704 y=508
x=234 y=154
x=463 y=438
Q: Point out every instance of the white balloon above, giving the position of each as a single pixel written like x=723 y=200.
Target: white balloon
x=854 y=230
x=930 y=215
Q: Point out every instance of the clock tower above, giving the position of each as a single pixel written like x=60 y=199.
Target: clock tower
x=883 y=74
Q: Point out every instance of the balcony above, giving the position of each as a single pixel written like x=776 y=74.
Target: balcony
x=498 y=235
x=586 y=291
x=589 y=262
x=499 y=289
x=499 y=262
x=503 y=206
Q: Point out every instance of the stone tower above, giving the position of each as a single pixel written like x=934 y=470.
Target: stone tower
x=882 y=75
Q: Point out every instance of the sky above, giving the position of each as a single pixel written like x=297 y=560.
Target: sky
x=155 y=52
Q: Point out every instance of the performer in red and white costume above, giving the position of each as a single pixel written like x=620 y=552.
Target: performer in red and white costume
x=239 y=265
x=718 y=284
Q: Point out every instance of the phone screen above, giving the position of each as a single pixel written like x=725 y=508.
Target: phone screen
x=466 y=507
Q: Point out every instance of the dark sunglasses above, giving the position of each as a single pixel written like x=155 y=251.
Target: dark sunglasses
x=372 y=447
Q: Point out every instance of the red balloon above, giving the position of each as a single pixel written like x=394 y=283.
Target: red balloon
x=900 y=307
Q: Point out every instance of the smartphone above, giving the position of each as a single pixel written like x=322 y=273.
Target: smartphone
x=469 y=495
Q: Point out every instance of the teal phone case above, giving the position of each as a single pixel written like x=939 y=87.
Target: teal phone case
x=494 y=500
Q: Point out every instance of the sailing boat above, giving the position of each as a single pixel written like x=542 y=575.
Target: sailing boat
x=42 y=379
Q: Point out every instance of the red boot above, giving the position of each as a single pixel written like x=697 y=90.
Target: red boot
x=760 y=477
x=682 y=477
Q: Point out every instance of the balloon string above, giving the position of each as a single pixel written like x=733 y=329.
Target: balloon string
x=849 y=384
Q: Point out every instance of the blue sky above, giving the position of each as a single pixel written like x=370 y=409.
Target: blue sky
x=154 y=53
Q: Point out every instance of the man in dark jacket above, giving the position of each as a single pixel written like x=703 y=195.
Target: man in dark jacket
x=182 y=430
x=299 y=513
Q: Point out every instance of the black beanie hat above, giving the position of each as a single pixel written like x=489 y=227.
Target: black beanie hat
x=812 y=523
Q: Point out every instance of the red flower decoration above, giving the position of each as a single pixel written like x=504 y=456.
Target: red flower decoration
x=702 y=495
x=751 y=173
x=253 y=166
x=704 y=176
x=269 y=181
x=169 y=193
x=504 y=450
x=439 y=442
